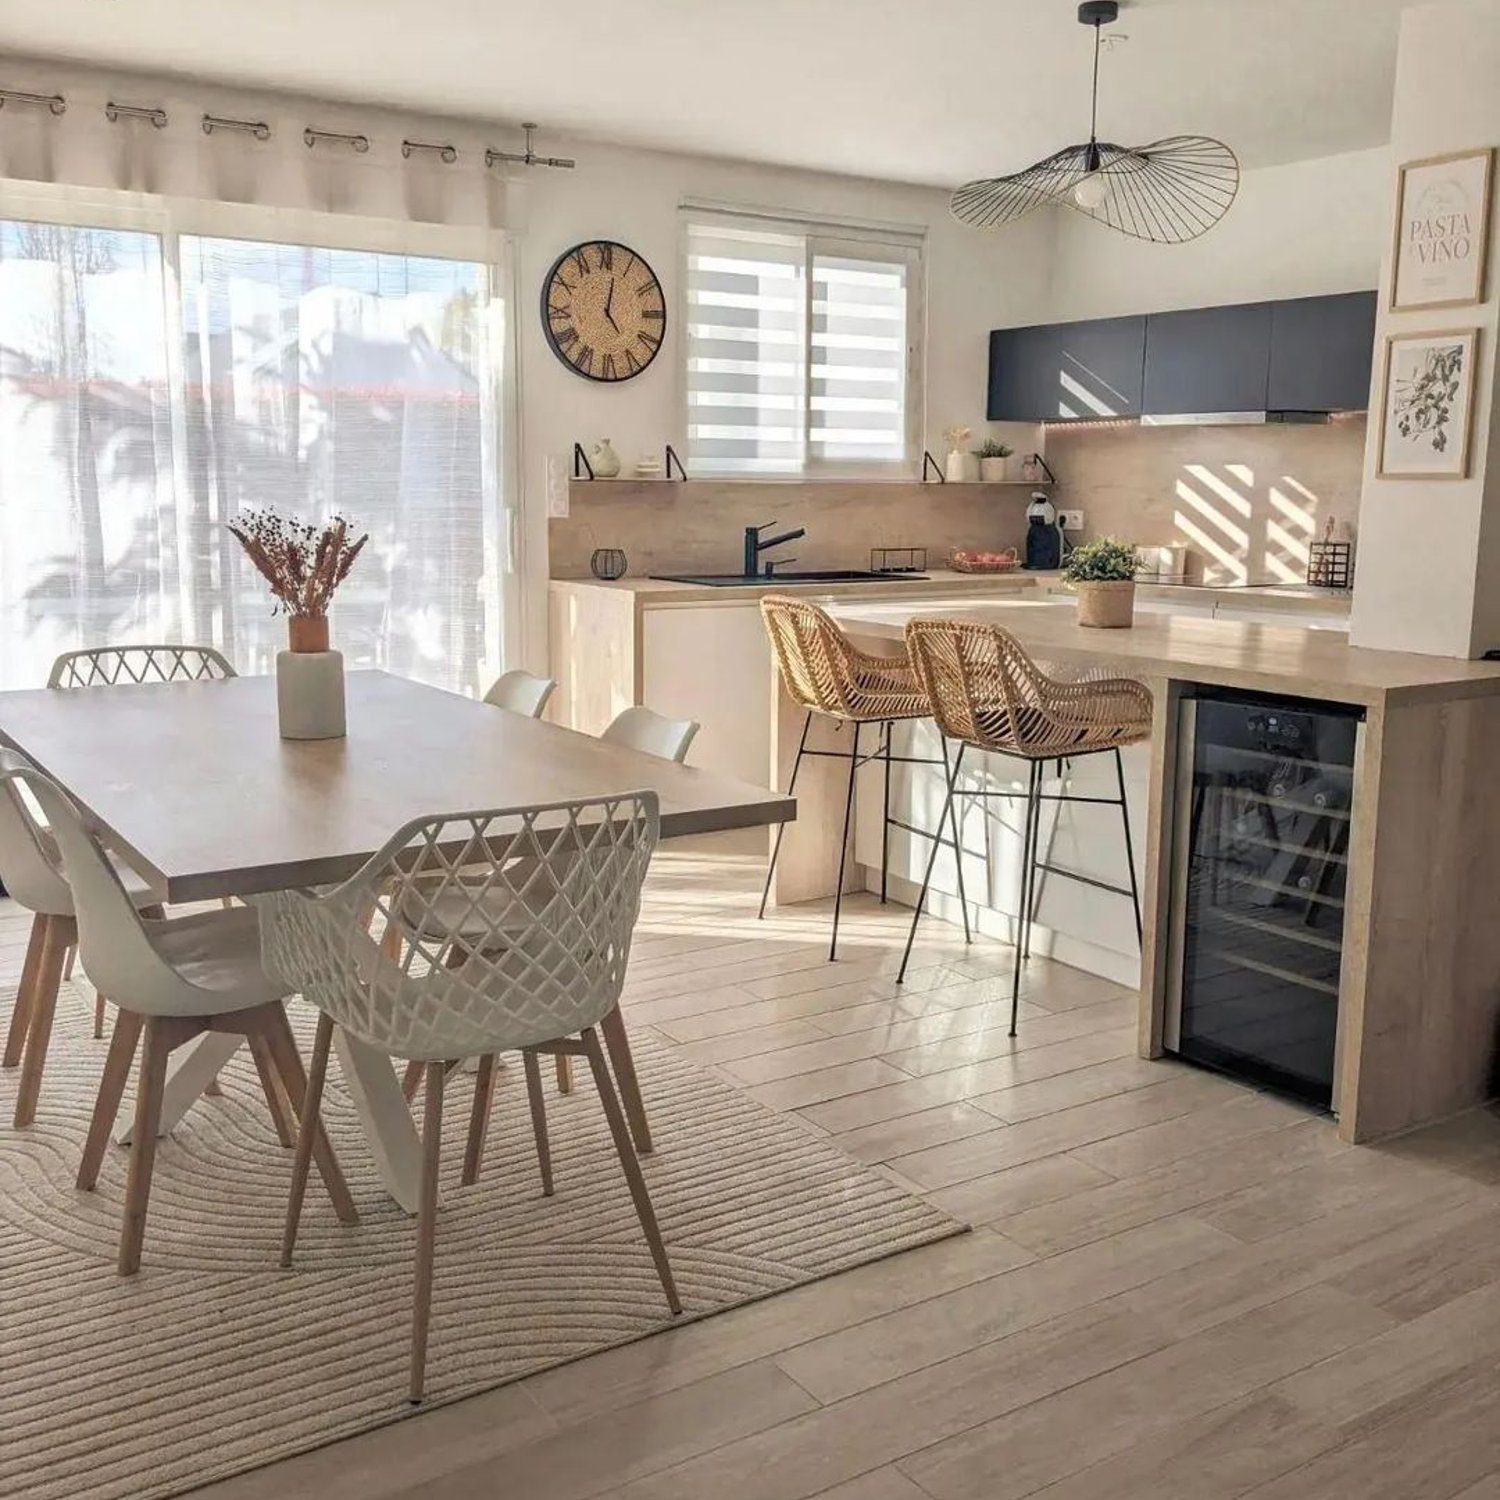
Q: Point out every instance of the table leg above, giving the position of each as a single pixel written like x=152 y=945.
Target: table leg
x=192 y=1069
x=375 y=1091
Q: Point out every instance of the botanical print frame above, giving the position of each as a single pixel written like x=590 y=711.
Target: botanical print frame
x=1442 y=231
x=1426 y=404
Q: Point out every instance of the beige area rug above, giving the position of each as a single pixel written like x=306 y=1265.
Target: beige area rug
x=212 y=1360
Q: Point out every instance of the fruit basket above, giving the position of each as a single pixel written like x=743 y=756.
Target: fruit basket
x=962 y=560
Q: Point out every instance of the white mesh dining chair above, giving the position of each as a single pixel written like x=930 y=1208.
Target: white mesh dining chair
x=517 y=928
x=645 y=729
x=521 y=692
x=108 y=666
x=31 y=867
x=171 y=980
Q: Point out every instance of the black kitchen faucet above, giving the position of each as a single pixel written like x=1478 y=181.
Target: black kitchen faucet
x=754 y=546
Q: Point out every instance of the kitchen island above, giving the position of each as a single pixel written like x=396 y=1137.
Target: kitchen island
x=1419 y=990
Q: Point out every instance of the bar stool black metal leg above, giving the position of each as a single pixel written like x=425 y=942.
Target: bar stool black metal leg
x=958 y=848
x=1035 y=878
x=885 y=831
x=838 y=890
x=1135 y=895
x=932 y=854
x=1028 y=871
x=791 y=787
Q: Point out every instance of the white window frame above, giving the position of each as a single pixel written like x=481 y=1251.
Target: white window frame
x=903 y=245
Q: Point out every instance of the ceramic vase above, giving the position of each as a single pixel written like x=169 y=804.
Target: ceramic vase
x=604 y=461
x=309 y=683
x=992 y=470
x=960 y=467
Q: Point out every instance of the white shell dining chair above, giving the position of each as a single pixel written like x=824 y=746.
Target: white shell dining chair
x=645 y=729
x=521 y=692
x=31 y=867
x=171 y=980
x=106 y=666
x=518 y=925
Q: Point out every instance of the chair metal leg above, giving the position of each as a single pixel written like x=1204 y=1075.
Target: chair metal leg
x=631 y=1167
x=932 y=854
x=1028 y=868
x=538 y=1102
x=791 y=787
x=958 y=847
x=838 y=890
x=312 y=1119
x=1033 y=854
x=1135 y=894
x=885 y=821
x=421 y=1314
x=479 y=1119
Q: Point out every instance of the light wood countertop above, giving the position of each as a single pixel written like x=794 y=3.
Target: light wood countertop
x=1227 y=653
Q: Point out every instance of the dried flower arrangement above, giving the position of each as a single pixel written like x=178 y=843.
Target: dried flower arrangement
x=303 y=564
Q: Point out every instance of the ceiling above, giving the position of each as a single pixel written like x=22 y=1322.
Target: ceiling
x=929 y=91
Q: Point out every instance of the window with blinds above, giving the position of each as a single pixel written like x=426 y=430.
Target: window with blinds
x=153 y=385
x=801 y=349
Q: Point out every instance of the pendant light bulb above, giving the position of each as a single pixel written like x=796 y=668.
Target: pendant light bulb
x=1091 y=192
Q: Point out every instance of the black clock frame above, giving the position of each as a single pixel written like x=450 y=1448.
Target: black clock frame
x=552 y=271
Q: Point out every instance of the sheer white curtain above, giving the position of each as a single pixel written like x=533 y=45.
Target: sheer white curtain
x=153 y=385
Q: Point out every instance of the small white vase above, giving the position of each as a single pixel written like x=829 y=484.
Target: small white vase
x=992 y=470
x=960 y=467
x=310 y=694
x=604 y=461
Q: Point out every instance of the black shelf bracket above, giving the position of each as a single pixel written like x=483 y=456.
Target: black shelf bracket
x=929 y=463
x=582 y=468
x=672 y=458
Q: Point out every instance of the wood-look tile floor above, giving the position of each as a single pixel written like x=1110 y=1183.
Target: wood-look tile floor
x=1176 y=1287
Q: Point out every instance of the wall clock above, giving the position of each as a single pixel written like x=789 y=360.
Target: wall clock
x=603 y=310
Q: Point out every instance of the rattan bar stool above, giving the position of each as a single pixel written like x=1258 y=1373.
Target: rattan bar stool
x=989 y=695
x=827 y=674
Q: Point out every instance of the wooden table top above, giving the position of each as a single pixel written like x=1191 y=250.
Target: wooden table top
x=193 y=783
x=1276 y=658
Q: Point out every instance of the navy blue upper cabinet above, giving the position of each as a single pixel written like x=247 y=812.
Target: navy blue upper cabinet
x=1055 y=371
x=1208 y=359
x=1321 y=350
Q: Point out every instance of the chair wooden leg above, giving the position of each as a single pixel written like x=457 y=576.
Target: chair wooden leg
x=122 y=1045
x=98 y=1015
x=479 y=1118
x=43 y=1006
x=538 y=1101
x=70 y=961
x=421 y=1313
x=153 y=1072
x=411 y=1079
x=564 y=1073
x=20 y=1016
x=632 y=1168
x=311 y=1120
x=618 y=1044
x=265 y=1065
x=289 y=1063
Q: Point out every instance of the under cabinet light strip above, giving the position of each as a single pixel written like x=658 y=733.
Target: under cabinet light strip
x=258 y=128
x=53 y=102
x=152 y=113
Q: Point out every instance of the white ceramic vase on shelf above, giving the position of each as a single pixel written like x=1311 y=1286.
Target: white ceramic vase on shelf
x=604 y=461
x=960 y=467
x=309 y=683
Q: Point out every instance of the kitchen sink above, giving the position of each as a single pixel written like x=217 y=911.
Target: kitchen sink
x=750 y=580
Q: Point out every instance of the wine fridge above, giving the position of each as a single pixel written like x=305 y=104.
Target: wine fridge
x=1265 y=799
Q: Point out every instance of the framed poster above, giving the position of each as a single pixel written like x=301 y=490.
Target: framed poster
x=1427 y=394
x=1442 y=231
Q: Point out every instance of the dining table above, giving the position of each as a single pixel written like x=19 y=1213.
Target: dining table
x=192 y=783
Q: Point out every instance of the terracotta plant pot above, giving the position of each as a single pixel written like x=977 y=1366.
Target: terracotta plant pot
x=307 y=632
x=1107 y=605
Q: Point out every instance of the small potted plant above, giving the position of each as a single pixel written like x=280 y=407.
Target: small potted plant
x=1102 y=573
x=304 y=566
x=992 y=456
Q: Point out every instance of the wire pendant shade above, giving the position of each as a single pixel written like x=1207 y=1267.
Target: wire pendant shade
x=1168 y=192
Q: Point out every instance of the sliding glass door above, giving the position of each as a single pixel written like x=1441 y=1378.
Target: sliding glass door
x=153 y=385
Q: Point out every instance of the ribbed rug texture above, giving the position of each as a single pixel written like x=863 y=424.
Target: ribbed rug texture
x=212 y=1360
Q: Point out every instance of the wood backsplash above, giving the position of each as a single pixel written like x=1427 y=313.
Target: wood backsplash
x=697 y=526
x=1245 y=501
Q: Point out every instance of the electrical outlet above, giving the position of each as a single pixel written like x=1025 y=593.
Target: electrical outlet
x=1072 y=520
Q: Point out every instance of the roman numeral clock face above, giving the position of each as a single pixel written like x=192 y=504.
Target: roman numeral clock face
x=603 y=310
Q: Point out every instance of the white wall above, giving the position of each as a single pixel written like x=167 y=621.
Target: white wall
x=1442 y=598
x=1299 y=230
x=976 y=280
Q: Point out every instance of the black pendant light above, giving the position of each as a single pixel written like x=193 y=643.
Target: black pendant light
x=1168 y=192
